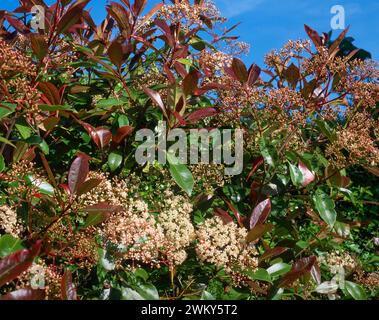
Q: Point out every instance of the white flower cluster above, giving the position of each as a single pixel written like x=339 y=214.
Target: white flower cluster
x=9 y=222
x=224 y=245
x=175 y=220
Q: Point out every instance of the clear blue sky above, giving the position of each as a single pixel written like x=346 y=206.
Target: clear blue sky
x=268 y=24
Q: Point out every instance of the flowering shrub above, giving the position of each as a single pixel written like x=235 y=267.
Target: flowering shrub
x=81 y=219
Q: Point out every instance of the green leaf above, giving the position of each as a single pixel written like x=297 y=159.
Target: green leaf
x=302 y=244
x=24 y=129
x=106 y=260
x=43 y=186
x=9 y=244
x=6 y=141
x=327 y=287
x=37 y=140
x=2 y=163
x=98 y=213
x=349 y=194
x=296 y=175
x=355 y=290
x=6 y=109
x=268 y=152
x=44 y=147
x=111 y=102
x=343 y=229
x=207 y=296
x=259 y=274
x=326 y=130
x=122 y=120
x=141 y=273
x=46 y=107
x=325 y=207
x=130 y=294
x=278 y=269
x=94 y=219
x=148 y=292
x=114 y=160
x=181 y=174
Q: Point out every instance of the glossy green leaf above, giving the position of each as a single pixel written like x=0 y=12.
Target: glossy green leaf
x=260 y=274
x=355 y=290
x=9 y=244
x=43 y=186
x=114 y=160
x=278 y=269
x=148 y=292
x=207 y=296
x=325 y=207
x=181 y=174
x=130 y=294
x=6 y=109
x=268 y=152
x=327 y=287
x=2 y=163
x=296 y=175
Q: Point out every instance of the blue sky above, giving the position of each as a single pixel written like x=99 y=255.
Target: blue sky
x=268 y=24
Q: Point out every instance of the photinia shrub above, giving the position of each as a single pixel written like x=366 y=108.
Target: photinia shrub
x=80 y=218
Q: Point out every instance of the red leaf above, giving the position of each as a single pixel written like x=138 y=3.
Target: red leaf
x=121 y=16
x=201 y=114
x=16 y=263
x=138 y=6
x=92 y=132
x=88 y=185
x=104 y=135
x=313 y=35
x=240 y=219
x=180 y=119
x=180 y=69
x=256 y=164
x=226 y=218
x=272 y=253
x=121 y=134
x=258 y=231
x=299 y=268
x=78 y=172
x=190 y=82
x=68 y=290
x=71 y=17
x=170 y=76
x=254 y=73
x=39 y=45
x=151 y=13
x=335 y=45
x=102 y=207
x=17 y=24
x=115 y=53
x=308 y=175
x=51 y=92
x=229 y=71
x=156 y=97
x=25 y=294
x=260 y=213
x=98 y=213
x=166 y=30
x=239 y=70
